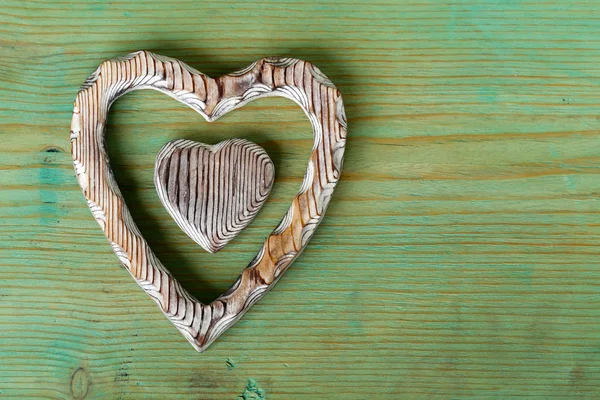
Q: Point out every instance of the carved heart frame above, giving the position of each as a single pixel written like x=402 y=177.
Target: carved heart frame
x=295 y=79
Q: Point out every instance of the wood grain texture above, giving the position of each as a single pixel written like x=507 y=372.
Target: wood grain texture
x=300 y=81
x=213 y=192
x=458 y=259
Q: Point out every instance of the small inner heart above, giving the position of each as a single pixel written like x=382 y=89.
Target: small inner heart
x=213 y=192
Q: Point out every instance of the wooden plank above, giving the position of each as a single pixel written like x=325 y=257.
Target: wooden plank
x=458 y=258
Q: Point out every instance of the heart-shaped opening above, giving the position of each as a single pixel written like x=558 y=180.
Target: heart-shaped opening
x=140 y=123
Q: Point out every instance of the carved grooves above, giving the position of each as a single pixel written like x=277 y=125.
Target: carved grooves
x=295 y=79
x=232 y=178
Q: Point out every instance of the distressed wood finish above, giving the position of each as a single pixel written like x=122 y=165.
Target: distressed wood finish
x=213 y=192
x=288 y=77
x=457 y=260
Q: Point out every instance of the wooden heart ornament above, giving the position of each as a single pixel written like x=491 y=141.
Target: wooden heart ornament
x=295 y=79
x=213 y=192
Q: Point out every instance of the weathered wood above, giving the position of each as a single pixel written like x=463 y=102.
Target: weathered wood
x=458 y=259
x=213 y=192
x=295 y=79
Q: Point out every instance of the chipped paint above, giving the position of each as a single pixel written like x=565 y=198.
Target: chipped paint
x=252 y=391
x=230 y=364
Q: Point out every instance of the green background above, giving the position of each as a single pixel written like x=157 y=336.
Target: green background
x=458 y=258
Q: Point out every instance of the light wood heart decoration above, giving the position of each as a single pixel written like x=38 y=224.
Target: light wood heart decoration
x=295 y=79
x=213 y=192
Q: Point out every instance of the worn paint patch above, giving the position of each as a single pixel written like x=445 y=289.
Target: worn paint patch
x=122 y=375
x=252 y=391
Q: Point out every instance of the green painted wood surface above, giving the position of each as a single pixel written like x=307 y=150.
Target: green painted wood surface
x=458 y=260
